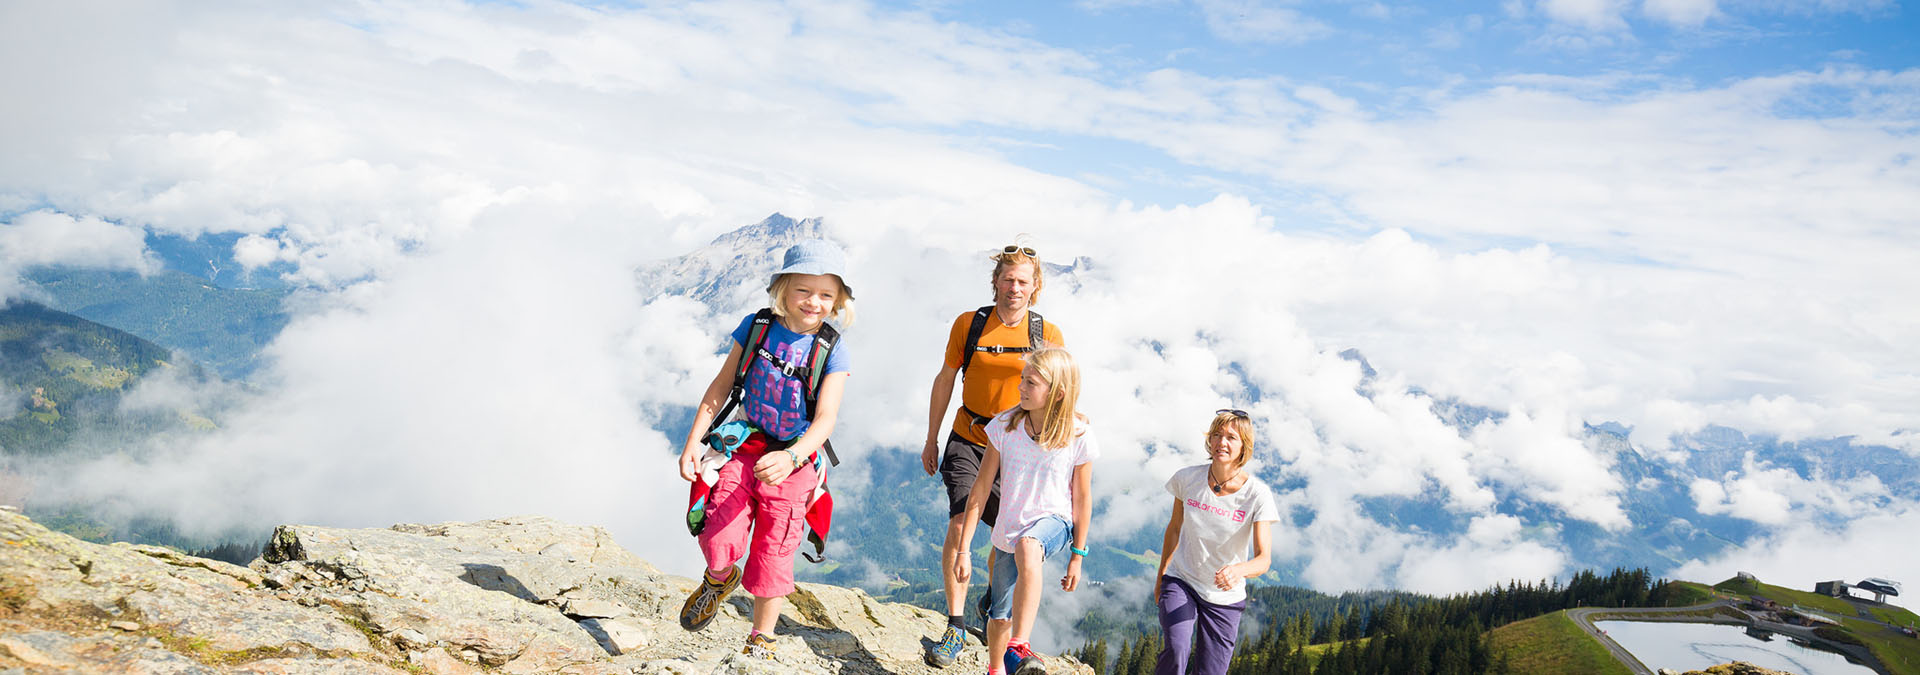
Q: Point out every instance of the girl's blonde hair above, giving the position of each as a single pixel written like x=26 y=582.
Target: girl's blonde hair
x=1057 y=417
x=1242 y=426
x=842 y=301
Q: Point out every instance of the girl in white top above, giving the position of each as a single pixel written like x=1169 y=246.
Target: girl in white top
x=1042 y=450
x=1218 y=509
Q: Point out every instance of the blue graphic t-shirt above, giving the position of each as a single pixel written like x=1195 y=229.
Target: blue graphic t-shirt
x=774 y=402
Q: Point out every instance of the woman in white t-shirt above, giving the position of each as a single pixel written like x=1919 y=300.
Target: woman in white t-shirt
x=1043 y=452
x=1218 y=509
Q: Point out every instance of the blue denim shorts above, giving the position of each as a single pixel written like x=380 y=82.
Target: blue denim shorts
x=1053 y=533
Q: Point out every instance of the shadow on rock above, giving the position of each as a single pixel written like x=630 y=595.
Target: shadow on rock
x=496 y=578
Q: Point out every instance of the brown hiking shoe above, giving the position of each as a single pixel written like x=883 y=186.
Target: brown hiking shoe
x=705 y=601
x=759 y=646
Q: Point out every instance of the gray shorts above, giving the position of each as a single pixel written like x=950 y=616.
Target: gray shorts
x=959 y=466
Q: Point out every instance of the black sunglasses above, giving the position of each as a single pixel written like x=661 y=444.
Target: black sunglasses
x=1242 y=414
x=1021 y=249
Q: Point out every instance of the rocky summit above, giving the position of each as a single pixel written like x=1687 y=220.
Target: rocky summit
x=517 y=595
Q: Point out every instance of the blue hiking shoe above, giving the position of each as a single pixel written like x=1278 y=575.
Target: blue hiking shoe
x=943 y=653
x=1020 y=660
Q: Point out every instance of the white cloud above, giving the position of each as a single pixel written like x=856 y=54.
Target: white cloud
x=1493 y=552
x=254 y=251
x=1778 y=496
x=53 y=238
x=1259 y=21
x=1810 y=553
x=1685 y=13
x=1597 y=15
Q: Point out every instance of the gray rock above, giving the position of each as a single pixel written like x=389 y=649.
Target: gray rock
x=437 y=661
x=313 y=667
x=617 y=637
x=43 y=649
x=179 y=595
x=593 y=609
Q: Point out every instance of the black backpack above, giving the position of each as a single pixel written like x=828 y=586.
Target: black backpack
x=1036 y=331
x=810 y=373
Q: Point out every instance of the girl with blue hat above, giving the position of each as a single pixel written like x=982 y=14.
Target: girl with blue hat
x=762 y=472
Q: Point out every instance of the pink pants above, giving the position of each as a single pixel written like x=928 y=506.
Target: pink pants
x=746 y=515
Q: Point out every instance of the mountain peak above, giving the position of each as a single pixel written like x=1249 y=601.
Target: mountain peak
x=776 y=228
x=730 y=274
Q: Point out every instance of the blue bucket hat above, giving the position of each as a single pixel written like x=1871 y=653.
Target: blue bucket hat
x=815 y=256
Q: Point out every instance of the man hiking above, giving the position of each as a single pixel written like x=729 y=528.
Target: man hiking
x=987 y=350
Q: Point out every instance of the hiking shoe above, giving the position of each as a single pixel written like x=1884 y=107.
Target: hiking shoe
x=1020 y=660
x=942 y=655
x=759 y=646
x=705 y=601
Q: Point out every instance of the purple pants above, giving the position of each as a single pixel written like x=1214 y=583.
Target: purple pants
x=1219 y=628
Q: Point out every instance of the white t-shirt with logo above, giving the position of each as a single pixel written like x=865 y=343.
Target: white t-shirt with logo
x=1034 y=482
x=1215 y=530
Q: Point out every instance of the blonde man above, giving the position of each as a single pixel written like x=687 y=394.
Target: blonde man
x=986 y=351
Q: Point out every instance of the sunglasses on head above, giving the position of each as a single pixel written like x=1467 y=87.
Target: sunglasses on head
x=1020 y=249
x=1242 y=414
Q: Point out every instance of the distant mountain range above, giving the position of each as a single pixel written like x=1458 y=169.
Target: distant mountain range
x=63 y=380
x=225 y=329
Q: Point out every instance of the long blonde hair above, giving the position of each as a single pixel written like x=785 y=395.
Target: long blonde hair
x=1057 y=417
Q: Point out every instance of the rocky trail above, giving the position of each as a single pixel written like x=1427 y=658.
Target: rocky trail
x=517 y=595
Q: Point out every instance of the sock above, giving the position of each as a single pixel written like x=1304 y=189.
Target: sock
x=718 y=576
x=1017 y=642
x=959 y=622
x=995 y=670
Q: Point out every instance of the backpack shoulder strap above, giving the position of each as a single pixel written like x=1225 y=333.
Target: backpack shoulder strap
x=974 y=330
x=756 y=335
x=824 y=341
x=749 y=350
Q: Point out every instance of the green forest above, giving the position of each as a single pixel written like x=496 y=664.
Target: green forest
x=1308 y=633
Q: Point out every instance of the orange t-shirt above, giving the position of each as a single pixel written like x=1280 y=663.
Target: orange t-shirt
x=991 y=383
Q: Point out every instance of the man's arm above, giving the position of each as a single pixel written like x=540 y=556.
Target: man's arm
x=937 y=413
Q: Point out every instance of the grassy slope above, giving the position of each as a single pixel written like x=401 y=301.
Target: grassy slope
x=1899 y=653
x=1551 y=643
x=1688 y=593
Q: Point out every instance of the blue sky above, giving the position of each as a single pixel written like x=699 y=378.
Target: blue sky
x=1391 y=57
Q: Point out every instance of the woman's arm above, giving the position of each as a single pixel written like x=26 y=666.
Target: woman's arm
x=1253 y=567
x=1169 y=542
x=1082 y=519
x=774 y=467
x=710 y=402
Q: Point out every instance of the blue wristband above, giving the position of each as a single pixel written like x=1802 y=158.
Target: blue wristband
x=1077 y=551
